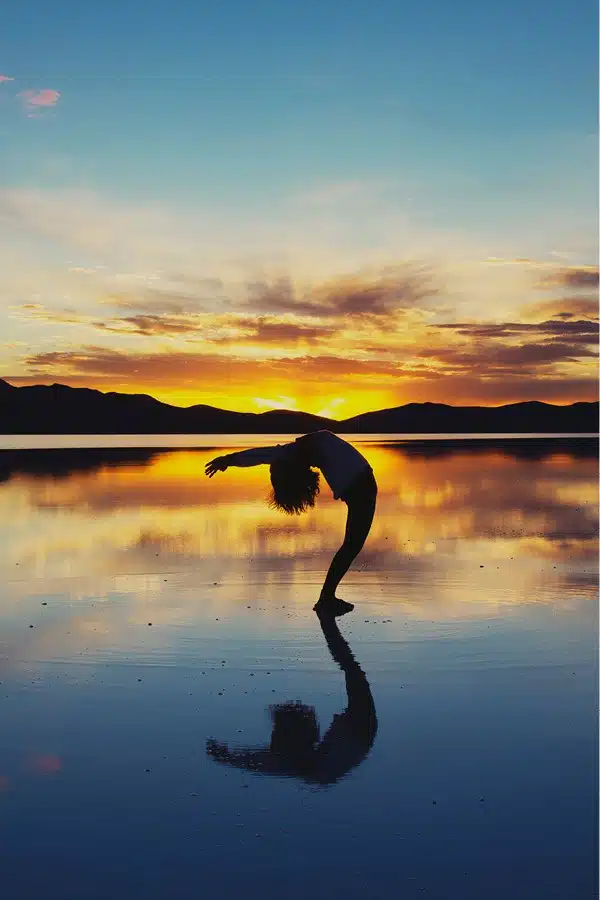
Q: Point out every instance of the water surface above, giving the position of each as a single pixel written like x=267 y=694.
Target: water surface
x=176 y=722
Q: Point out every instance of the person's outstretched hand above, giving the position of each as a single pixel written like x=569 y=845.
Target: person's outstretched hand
x=217 y=749
x=218 y=464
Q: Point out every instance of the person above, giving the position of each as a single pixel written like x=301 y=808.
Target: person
x=295 y=484
x=296 y=748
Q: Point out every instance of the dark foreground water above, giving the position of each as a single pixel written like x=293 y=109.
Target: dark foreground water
x=176 y=723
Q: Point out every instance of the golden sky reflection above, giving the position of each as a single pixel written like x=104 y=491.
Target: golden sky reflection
x=131 y=530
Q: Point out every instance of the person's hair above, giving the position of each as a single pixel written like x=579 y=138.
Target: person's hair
x=295 y=732
x=295 y=485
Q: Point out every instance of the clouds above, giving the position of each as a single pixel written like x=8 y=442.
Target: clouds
x=503 y=359
x=149 y=300
x=155 y=367
x=562 y=308
x=372 y=295
x=264 y=331
x=202 y=242
x=513 y=349
x=81 y=220
x=456 y=375
x=577 y=297
x=228 y=329
x=166 y=300
x=263 y=312
x=35 y=102
x=147 y=325
x=575 y=277
x=375 y=334
x=583 y=331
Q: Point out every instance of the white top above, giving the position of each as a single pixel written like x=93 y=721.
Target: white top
x=338 y=460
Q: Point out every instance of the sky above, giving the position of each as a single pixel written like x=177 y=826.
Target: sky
x=328 y=207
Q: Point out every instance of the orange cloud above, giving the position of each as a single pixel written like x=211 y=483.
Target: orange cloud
x=148 y=325
x=262 y=330
x=166 y=300
x=563 y=308
x=374 y=338
x=538 y=354
x=4 y=78
x=158 y=367
x=574 y=277
x=55 y=316
x=232 y=382
x=552 y=331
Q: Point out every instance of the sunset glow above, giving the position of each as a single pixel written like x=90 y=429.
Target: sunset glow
x=142 y=521
x=302 y=235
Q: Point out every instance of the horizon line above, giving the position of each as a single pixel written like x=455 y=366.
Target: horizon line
x=296 y=411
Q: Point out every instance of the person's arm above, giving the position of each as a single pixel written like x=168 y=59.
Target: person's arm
x=256 y=456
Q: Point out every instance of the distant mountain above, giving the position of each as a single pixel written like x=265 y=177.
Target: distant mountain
x=514 y=418
x=58 y=409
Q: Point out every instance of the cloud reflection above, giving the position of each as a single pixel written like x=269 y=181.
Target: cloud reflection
x=127 y=523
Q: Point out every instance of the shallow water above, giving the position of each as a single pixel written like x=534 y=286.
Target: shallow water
x=150 y=618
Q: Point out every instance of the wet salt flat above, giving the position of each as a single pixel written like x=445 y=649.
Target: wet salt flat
x=176 y=721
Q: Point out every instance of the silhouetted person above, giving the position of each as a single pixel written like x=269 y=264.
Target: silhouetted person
x=295 y=749
x=295 y=485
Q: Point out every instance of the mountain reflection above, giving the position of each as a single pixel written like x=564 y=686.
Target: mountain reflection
x=296 y=748
x=70 y=461
x=99 y=514
x=515 y=448
x=63 y=463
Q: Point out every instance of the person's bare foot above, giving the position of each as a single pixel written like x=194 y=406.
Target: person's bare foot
x=332 y=606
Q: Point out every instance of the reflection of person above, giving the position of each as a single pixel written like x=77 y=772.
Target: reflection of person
x=295 y=485
x=295 y=749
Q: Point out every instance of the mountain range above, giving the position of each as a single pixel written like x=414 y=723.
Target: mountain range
x=59 y=409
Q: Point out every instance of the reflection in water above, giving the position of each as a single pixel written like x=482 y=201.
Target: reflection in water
x=63 y=463
x=515 y=448
x=148 y=514
x=68 y=461
x=296 y=749
x=479 y=617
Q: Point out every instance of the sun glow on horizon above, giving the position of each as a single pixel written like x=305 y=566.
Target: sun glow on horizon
x=265 y=404
x=329 y=407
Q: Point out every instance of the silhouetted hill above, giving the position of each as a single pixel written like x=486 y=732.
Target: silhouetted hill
x=514 y=418
x=58 y=409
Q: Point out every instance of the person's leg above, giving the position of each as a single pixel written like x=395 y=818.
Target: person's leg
x=361 y=509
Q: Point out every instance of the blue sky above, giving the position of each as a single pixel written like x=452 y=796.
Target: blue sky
x=353 y=127
x=244 y=100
